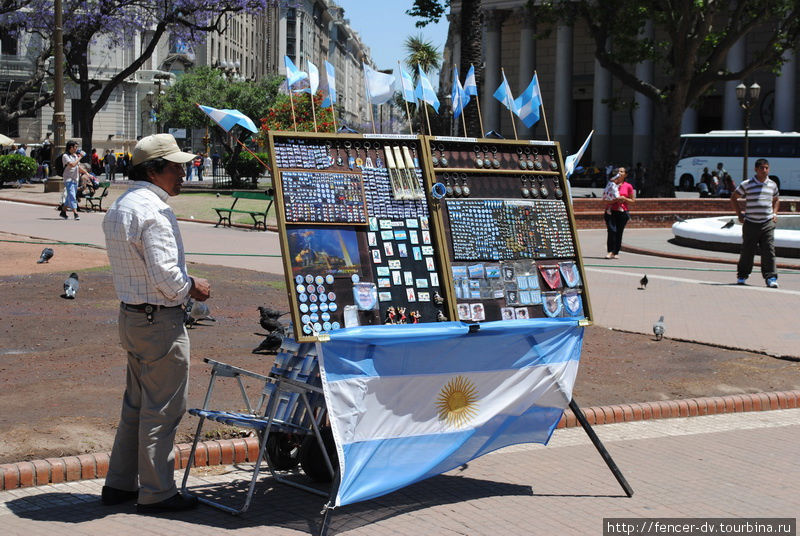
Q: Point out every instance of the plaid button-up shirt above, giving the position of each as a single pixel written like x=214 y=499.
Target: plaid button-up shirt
x=145 y=248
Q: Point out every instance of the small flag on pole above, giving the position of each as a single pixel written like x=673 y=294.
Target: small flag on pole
x=424 y=90
x=227 y=119
x=407 y=86
x=528 y=103
x=379 y=85
x=572 y=160
x=470 y=86
x=458 y=96
x=503 y=94
x=293 y=74
x=313 y=79
x=330 y=90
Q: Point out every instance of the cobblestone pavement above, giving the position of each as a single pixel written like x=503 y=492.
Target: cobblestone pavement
x=733 y=465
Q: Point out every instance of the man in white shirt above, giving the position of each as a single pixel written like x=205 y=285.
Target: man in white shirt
x=149 y=272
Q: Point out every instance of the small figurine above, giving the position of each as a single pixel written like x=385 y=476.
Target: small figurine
x=401 y=311
x=390 y=316
x=415 y=316
x=437 y=299
x=440 y=317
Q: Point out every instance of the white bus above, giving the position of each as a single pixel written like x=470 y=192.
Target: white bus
x=699 y=151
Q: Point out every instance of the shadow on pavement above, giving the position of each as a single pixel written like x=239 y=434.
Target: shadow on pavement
x=274 y=505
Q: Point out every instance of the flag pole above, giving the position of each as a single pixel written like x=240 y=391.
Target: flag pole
x=544 y=115
x=427 y=118
x=333 y=114
x=291 y=101
x=369 y=98
x=510 y=111
x=313 y=110
x=408 y=111
x=478 y=104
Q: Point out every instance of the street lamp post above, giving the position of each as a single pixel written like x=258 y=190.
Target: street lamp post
x=747 y=99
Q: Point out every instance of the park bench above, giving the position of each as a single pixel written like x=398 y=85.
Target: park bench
x=95 y=202
x=259 y=218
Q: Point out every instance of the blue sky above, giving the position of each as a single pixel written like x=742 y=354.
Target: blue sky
x=384 y=27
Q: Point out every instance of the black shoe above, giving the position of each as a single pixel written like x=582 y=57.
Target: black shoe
x=112 y=496
x=63 y=214
x=176 y=503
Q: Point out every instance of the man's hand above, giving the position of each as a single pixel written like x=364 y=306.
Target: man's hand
x=741 y=218
x=200 y=290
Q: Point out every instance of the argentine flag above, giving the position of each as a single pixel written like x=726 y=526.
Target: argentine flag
x=293 y=74
x=527 y=105
x=413 y=401
x=503 y=94
x=330 y=86
x=424 y=90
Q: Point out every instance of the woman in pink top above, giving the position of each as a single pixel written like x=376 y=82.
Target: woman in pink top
x=616 y=214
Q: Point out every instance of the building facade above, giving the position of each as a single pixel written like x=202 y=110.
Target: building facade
x=579 y=95
x=251 y=47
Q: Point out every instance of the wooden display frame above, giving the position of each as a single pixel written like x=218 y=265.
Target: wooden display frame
x=439 y=228
x=285 y=227
x=557 y=175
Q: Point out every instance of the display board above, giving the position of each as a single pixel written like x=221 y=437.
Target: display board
x=394 y=229
x=510 y=233
x=358 y=243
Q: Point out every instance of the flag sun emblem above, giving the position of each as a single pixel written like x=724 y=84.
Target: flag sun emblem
x=457 y=402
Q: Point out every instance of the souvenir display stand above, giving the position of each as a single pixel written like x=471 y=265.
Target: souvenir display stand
x=426 y=271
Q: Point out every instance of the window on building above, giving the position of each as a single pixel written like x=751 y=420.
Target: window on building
x=8 y=44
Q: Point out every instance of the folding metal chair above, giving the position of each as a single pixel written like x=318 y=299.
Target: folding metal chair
x=291 y=401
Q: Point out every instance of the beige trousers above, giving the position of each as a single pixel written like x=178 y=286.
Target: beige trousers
x=155 y=400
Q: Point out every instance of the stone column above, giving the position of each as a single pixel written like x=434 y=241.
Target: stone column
x=784 y=94
x=601 y=116
x=732 y=114
x=643 y=113
x=490 y=107
x=562 y=121
x=527 y=62
x=689 y=121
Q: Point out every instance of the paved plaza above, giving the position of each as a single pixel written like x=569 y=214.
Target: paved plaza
x=731 y=465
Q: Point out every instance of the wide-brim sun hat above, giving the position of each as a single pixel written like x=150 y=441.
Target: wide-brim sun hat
x=159 y=146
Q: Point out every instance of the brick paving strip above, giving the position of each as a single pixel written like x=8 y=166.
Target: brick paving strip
x=235 y=451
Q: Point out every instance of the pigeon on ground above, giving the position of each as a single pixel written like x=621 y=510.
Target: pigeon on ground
x=47 y=254
x=269 y=317
x=658 y=329
x=270 y=344
x=71 y=286
x=728 y=225
x=195 y=312
x=679 y=219
x=643 y=282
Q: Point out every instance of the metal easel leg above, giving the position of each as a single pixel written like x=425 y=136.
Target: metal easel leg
x=600 y=448
x=327 y=510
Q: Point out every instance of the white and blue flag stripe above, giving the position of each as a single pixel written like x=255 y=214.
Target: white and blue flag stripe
x=410 y=402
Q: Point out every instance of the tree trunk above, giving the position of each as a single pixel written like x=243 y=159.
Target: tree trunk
x=660 y=181
x=472 y=54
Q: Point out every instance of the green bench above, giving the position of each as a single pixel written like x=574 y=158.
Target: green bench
x=95 y=202
x=259 y=218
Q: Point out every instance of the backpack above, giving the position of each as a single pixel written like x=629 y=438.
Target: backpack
x=59 y=165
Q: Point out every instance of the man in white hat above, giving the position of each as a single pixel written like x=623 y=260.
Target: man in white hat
x=149 y=271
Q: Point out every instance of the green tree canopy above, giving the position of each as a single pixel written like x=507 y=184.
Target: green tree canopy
x=210 y=87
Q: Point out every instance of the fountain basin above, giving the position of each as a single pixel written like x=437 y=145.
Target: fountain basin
x=710 y=234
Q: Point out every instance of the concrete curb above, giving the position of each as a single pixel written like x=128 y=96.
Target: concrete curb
x=697 y=258
x=234 y=451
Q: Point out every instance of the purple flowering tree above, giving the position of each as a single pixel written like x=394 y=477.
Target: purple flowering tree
x=120 y=23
